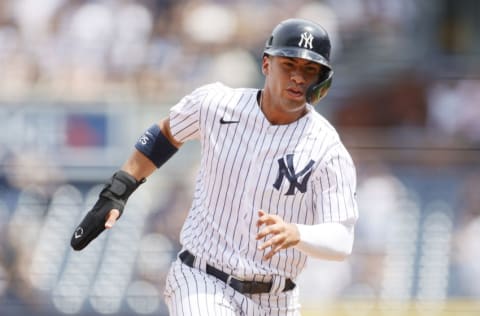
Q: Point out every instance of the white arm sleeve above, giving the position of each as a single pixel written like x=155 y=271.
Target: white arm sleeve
x=330 y=241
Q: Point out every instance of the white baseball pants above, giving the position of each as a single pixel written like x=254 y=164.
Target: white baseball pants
x=192 y=292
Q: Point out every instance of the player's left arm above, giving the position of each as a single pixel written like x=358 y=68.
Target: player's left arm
x=333 y=238
x=329 y=241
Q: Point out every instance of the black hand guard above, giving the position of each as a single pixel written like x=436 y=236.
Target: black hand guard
x=113 y=196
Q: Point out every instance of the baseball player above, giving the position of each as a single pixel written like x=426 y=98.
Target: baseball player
x=275 y=184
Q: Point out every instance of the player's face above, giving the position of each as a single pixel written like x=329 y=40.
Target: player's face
x=288 y=79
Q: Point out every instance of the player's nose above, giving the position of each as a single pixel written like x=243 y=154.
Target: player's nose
x=297 y=77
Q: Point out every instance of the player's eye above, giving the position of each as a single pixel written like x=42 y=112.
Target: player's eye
x=288 y=64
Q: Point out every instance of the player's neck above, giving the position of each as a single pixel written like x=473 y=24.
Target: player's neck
x=274 y=113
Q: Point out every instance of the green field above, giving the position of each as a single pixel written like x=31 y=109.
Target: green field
x=372 y=308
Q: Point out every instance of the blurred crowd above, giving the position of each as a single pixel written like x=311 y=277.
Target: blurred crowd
x=83 y=49
x=405 y=98
x=389 y=57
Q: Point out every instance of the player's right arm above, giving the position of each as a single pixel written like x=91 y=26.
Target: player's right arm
x=140 y=166
x=145 y=160
x=152 y=150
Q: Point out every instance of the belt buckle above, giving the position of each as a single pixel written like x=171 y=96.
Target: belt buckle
x=229 y=279
x=232 y=277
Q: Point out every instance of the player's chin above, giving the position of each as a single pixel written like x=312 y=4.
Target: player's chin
x=294 y=107
x=295 y=102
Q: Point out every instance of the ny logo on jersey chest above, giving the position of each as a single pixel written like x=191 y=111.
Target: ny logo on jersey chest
x=286 y=170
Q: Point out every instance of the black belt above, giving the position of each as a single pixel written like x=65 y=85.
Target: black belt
x=244 y=287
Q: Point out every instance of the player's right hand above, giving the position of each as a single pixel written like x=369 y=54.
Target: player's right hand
x=107 y=209
x=112 y=218
x=103 y=215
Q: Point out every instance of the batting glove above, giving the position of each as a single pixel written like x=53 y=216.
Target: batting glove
x=113 y=196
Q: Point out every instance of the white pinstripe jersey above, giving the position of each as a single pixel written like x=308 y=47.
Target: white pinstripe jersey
x=300 y=171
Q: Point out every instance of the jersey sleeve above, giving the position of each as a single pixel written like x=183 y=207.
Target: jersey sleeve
x=185 y=116
x=335 y=187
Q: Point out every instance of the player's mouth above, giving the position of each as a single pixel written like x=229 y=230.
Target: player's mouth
x=295 y=93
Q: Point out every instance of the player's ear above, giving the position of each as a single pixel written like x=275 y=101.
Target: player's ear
x=265 y=64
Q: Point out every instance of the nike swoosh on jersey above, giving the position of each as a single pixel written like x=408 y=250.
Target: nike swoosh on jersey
x=222 y=121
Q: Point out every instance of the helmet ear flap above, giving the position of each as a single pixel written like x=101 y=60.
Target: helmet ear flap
x=318 y=90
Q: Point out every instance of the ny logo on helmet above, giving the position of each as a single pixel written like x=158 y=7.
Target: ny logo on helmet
x=306 y=40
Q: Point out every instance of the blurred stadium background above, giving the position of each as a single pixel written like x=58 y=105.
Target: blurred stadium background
x=81 y=79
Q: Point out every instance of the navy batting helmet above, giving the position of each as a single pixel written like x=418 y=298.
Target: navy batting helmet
x=308 y=40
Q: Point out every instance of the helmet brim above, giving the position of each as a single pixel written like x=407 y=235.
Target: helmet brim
x=298 y=53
